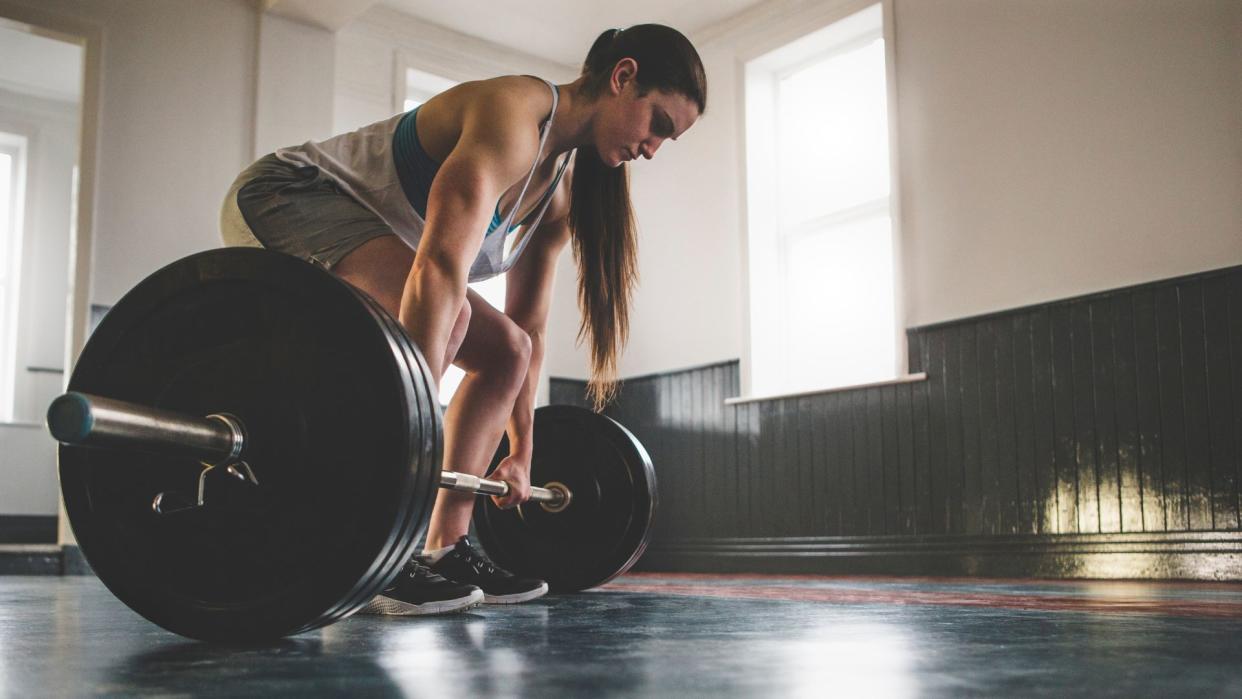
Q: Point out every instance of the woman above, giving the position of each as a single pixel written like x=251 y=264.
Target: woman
x=479 y=181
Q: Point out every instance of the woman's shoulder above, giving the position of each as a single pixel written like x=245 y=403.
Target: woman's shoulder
x=510 y=97
x=499 y=115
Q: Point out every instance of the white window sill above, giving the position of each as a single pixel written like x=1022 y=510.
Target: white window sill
x=908 y=378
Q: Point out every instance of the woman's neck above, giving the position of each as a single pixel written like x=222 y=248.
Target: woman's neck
x=575 y=114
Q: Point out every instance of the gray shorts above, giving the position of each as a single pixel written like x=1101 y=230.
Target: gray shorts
x=295 y=210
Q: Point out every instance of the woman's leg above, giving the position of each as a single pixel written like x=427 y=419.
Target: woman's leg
x=493 y=351
x=495 y=355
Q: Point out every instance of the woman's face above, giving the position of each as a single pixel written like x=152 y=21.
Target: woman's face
x=632 y=126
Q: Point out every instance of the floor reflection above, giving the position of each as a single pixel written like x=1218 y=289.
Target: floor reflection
x=667 y=636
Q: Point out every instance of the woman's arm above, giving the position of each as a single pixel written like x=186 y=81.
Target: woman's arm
x=499 y=140
x=528 y=298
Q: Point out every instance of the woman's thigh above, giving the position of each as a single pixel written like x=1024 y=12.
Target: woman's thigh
x=380 y=267
x=493 y=341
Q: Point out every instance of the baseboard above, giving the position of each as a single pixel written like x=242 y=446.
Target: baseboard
x=27 y=529
x=1157 y=556
x=29 y=559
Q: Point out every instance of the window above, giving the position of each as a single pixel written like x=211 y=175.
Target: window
x=420 y=87
x=821 y=255
x=12 y=196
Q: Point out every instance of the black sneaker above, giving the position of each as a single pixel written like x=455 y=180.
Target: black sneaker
x=468 y=565
x=417 y=590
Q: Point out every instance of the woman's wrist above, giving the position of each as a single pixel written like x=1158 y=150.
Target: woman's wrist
x=521 y=452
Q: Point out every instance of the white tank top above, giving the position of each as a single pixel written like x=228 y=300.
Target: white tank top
x=361 y=164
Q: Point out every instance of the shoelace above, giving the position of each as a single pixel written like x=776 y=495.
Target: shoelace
x=417 y=570
x=471 y=557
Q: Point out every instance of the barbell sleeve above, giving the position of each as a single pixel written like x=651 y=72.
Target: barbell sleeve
x=83 y=419
x=87 y=420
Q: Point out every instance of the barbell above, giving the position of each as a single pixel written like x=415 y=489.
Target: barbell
x=250 y=448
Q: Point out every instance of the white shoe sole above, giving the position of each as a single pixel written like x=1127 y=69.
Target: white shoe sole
x=516 y=597
x=394 y=607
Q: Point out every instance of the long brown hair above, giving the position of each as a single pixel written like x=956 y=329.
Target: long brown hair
x=600 y=216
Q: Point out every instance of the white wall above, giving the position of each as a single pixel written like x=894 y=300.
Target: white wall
x=1046 y=149
x=175 y=125
x=374 y=50
x=1051 y=149
x=295 y=86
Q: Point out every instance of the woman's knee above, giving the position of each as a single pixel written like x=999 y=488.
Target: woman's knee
x=502 y=351
x=518 y=346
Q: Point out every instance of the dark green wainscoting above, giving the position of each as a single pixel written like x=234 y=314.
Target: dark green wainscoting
x=1098 y=436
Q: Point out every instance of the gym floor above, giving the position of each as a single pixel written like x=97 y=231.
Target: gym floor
x=654 y=635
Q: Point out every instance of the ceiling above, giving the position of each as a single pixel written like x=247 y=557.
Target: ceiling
x=562 y=30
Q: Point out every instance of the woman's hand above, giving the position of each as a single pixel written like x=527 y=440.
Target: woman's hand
x=515 y=471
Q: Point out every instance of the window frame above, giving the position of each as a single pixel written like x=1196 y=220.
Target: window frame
x=761 y=67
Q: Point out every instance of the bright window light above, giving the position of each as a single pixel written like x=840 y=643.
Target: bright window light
x=12 y=190
x=421 y=86
x=822 y=301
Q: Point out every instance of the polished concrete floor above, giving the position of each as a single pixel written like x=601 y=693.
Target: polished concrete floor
x=667 y=636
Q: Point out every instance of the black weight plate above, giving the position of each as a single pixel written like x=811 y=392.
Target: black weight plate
x=431 y=444
x=606 y=526
x=337 y=432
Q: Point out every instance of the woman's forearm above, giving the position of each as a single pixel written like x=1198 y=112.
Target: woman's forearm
x=433 y=297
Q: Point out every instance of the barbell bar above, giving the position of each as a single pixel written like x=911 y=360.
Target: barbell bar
x=86 y=420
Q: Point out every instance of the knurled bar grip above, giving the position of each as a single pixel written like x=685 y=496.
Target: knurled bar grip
x=82 y=419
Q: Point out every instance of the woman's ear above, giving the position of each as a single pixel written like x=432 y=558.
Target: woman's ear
x=623 y=73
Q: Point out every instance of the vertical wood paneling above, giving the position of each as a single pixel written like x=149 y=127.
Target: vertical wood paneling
x=734 y=504
x=794 y=498
x=1125 y=415
x=771 y=474
x=1043 y=383
x=1028 y=493
x=748 y=446
x=712 y=492
x=842 y=449
x=922 y=459
x=956 y=480
x=938 y=432
x=972 y=491
x=1063 y=419
x=670 y=455
x=807 y=466
x=1195 y=410
x=1221 y=405
x=1006 y=466
x=858 y=461
x=1104 y=416
x=989 y=478
x=1235 y=361
x=905 y=428
x=873 y=462
x=1172 y=415
x=1082 y=360
x=1151 y=448
x=890 y=460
